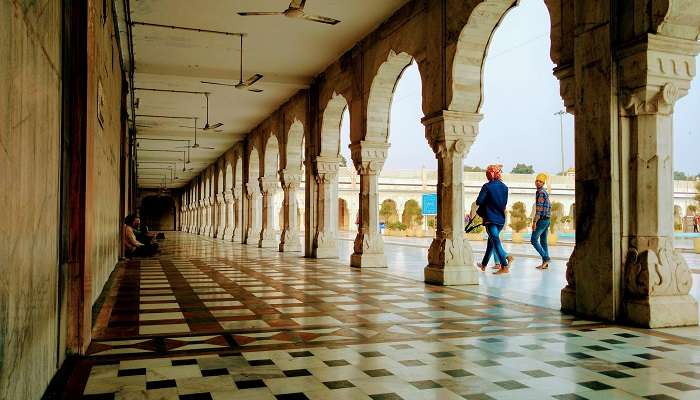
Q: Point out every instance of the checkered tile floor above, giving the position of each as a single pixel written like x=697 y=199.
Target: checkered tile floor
x=214 y=320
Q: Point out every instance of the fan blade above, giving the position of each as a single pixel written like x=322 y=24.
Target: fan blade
x=252 y=79
x=299 y=4
x=249 y=13
x=210 y=127
x=217 y=83
x=255 y=90
x=205 y=147
x=318 y=18
x=183 y=147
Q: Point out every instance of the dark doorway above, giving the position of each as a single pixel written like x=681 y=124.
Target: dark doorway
x=158 y=213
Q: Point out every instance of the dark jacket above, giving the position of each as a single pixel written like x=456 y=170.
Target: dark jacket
x=492 y=201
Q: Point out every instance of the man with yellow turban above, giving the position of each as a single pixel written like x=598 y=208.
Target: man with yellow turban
x=540 y=222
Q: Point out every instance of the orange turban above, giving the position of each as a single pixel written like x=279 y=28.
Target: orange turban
x=494 y=171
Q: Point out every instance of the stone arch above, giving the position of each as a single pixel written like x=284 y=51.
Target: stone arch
x=381 y=93
x=228 y=175
x=237 y=175
x=253 y=165
x=330 y=125
x=472 y=47
x=294 y=147
x=219 y=179
x=271 y=156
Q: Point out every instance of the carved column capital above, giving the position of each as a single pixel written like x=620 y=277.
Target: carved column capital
x=655 y=73
x=368 y=157
x=451 y=132
x=326 y=168
x=228 y=197
x=268 y=185
x=237 y=192
x=252 y=188
x=291 y=178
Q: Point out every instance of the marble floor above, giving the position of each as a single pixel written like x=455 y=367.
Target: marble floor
x=215 y=320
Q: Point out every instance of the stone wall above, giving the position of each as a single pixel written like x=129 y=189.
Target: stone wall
x=104 y=129
x=30 y=98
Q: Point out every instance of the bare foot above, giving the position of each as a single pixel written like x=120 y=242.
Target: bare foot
x=503 y=270
x=481 y=266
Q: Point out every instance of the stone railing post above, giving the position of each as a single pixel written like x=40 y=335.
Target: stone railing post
x=450 y=258
x=268 y=186
x=656 y=278
x=368 y=249
x=325 y=239
x=254 y=214
x=291 y=180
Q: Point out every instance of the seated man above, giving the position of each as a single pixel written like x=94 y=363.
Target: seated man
x=134 y=248
x=141 y=232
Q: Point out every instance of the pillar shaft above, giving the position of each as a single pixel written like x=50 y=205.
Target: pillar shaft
x=656 y=278
x=254 y=214
x=368 y=249
x=268 y=186
x=238 y=224
x=450 y=258
x=228 y=215
x=290 y=231
x=325 y=238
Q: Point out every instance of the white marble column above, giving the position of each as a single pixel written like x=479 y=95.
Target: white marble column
x=237 y=209
x=228 y=216
x=450 y=258
x=325 y=239
x=290 y=225
x=268 y=186
x=368 y=158
x=220 y=216
x=200 y=217
x=210 y=217
x=657 y=279
x=254 y=214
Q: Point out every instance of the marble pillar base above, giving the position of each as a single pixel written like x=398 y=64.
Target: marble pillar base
x=220 y=233
x=662 y=311
x=368 y=260
x=253 y=239
x=452 y=275
x=227 y=235
x=290 y=246
x=568 y=299
x=267 y=243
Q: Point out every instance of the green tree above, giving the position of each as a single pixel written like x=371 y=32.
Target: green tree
x=680 y=176
x=518 y=217
x=343 y=162
x=522 y=169
x=388 y=213
x=412 y=214
x=468 y=168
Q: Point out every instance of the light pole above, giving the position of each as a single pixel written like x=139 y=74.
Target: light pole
x=561 y=113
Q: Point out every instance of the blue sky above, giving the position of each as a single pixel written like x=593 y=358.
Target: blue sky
x=520 y=98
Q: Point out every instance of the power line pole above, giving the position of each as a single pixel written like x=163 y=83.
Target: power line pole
x=561 y=113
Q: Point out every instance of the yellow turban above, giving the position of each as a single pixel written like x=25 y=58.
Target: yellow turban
x=541 y=177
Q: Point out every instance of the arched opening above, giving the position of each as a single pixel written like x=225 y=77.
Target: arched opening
x=158 y=213
x=270 y=185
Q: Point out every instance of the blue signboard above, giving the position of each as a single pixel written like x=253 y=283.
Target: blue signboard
x=430 y=204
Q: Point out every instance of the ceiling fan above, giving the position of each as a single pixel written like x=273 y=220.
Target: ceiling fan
x=186 y=161
x=295 y=10
x=207 y=126
x=241 y=84
x=195 y=145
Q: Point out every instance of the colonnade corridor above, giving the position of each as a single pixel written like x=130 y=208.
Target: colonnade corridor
x=214 y=320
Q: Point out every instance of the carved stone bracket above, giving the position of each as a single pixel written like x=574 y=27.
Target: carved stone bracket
x=369 y=157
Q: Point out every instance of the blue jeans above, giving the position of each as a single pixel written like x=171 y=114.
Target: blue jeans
x=494 y=245
x=539 y=238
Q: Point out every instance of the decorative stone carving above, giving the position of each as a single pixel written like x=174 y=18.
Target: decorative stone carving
x=450 y=258
x=268 y=186
x=325 y=239
x=568 y=293
x=291 y=179
x=228 y=215
x=368 y=250
x=657 y=271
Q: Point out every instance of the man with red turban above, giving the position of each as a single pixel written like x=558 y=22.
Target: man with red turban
x=492 y=201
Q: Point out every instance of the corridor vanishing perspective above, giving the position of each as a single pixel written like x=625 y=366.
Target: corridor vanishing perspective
x=192 y=207
x=212 y=321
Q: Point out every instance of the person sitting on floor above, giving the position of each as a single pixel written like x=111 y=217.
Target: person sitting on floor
x=134 y=248
x=141 y=232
